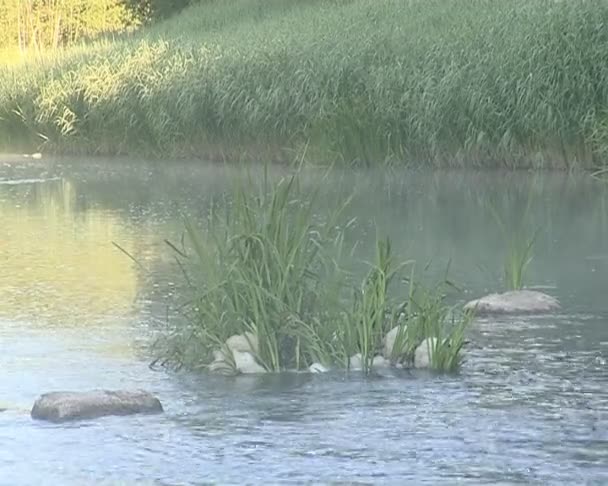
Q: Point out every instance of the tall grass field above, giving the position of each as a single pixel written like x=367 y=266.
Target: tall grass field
x=510 y=83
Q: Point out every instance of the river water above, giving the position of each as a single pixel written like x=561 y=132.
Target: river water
x=530 y=405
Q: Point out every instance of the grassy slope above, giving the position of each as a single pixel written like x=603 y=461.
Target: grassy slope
x=438 y=81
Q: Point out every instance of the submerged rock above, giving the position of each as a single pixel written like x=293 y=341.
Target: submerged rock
x=514 y=302
x=389 y=341
x=355 y=362
x=221 y=363
x=63 y=406
x=245 y=363
x=424 y=353
x=238 y=355
x=380 y=362
x=222 y=367
x=318 y=368
x=244 y=343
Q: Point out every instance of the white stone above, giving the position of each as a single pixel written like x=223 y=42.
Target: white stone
x=219 y=355
x=390 y=339
x=62 y=406
x=355 y=362
x=380 y=362
x=424 y=352
x=246 y=363
x=222 y=362
x=222 y=367
x=317 y=368
x=514 y=302
x=389 y=342
x=247 y=342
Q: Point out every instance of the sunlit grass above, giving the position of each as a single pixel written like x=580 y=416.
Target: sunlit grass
x=10 y=56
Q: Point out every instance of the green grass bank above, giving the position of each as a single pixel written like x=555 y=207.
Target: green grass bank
x=509 y=83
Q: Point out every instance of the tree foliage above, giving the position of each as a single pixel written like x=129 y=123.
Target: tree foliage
x=156 y=9
x=41 y=24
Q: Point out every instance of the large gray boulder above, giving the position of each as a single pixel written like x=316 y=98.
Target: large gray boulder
x=65 y=405
x=514 y=302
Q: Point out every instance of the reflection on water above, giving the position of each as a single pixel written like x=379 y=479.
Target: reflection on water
x=58 y=263
x=530 y=405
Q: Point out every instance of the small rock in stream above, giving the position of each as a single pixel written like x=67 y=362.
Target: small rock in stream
x=65 y=405
x=514 y=302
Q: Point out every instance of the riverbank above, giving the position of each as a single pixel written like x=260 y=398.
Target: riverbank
x=486 y=84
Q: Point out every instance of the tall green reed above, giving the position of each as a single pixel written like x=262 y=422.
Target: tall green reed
x=267 y=264
x=261 y=267
x=510 y=84
x=520 y=243
x=428 y=319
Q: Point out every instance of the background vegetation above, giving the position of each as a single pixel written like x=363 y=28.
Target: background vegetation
x=477 y=83
x=37 y=25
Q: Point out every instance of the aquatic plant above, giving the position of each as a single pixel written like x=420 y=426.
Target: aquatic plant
x=268 y=266
x=260 y=267
x=439 y=327
x=424 y=320
x=372 y=314
x=518 y=257
x=519 y=246
x=514 y=83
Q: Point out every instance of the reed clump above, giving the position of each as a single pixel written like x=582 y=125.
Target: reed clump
x=267 y=267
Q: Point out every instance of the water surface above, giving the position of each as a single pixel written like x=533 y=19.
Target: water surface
x=529 y=406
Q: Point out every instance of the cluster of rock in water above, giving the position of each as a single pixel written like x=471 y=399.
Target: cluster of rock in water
x=239 y=354
x=239 y=351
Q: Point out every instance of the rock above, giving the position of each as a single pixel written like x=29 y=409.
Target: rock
x=355 y=362
x=514 y=302
x=424 y=352
x=389 y=341
x=63 y=406
x=380 y=362
x=245 y=362
x=219 y=355
x=222 y=367
x=245 y=343
x=221 y=363
x=240 y=349
x=317 y=368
